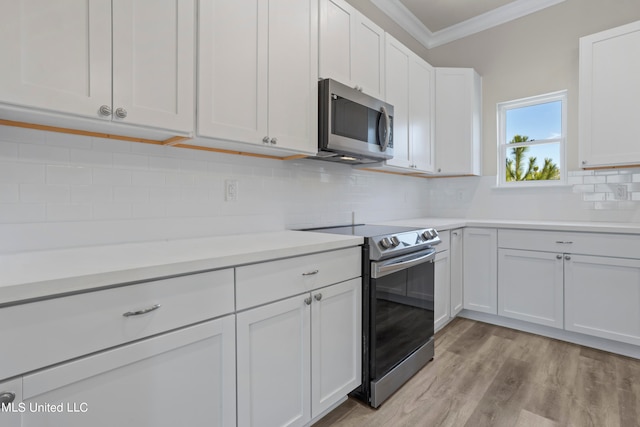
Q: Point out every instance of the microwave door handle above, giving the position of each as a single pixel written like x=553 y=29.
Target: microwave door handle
x=382 y=269
x=384 y=139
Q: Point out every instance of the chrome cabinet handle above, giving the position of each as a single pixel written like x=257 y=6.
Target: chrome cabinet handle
x=6 y=397
x=559 y=256
x=561 y=242
x=274 y=141
x=307 y=301
x=455 y=233
x=567 y=257
x=104 y=110
x=318 y=297
x=121 y=113
x=143 y=311
x=311 y=273
x=265 y=140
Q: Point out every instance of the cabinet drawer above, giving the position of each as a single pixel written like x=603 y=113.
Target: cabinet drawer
x=613 y=245
x=38 y=334
x=269 y=281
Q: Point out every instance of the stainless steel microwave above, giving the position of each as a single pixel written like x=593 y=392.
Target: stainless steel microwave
x=353 y=127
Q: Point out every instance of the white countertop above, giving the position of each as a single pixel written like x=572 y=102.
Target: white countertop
x=32 y=275
x=451 y=223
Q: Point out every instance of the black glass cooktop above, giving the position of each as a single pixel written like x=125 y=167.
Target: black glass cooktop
x=364 y=230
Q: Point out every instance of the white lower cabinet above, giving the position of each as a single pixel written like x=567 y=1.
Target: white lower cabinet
x=298 y=357
x=530 y=286
x=184 y=377
x=602 y=297
x=481 y=270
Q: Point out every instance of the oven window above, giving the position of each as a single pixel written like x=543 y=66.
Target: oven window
x=402 y=315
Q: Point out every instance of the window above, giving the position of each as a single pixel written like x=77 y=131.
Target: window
x=531 y=140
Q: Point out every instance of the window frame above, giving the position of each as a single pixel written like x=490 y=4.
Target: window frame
x=503 y=145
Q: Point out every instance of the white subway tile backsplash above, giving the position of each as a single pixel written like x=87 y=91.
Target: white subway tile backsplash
x=167 y=195
x=584 y=188
x=22 y=135
x=130 y=194
x=91 y=193
x=9 y=193
x=130 y=161
x=42 y=193
x=636 y=177
x=43 y=154
x=149 y=210
x=194 y=194
x=596 y=179
x=189 y=165
x=111 y=145
x=73 y=175
x=111 y=211
x=164 y=163
x=618 y=178
x=59 y=139
x=68 y=211
x=148 y=178
x=594 y=197
x=8 y=150
x=111 y=176
x=91 y=158
x=22 y=173
x=22 y=212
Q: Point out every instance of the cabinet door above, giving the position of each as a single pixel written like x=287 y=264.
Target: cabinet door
x=337 y=39
x=336 y=331
x=368 y=57
x=421 y=113
x=397 y=60
x=56 y=55
x=481 y=270
x=456 y=262
x=232 y=69
x=442 y=289
x=186 y=377
x=530 y=286
x=293 y=74
x=602 y=297
x=274 y=368
x=457 y=121
x=153 y=62
x=609 y=93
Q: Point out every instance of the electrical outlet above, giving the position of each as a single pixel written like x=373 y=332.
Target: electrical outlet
x=620 y=192
x=230 y=190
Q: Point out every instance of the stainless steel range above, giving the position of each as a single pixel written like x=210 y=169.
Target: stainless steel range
x=397 y=306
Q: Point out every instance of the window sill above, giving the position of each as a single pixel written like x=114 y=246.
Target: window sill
x=531 y=187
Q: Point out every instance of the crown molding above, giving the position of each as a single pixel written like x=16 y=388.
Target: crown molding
x=407 y=20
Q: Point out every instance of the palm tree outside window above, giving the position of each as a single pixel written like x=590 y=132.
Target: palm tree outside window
x=531 y=140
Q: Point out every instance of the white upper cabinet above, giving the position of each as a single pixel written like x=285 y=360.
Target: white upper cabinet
x=351 y=48
x=410 y=84
x=257 y=75
x=458 y=107
x=130 y=62
x=609 y=93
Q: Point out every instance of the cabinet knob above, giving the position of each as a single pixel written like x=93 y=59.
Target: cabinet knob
x=559 y=256
x=6 y=397
x=265 y=140
x=274 y=141
x=121 y=113
x=318 y=297
x=584 y=162
x=439 y=169
x=104 y=110
x=567 y=257
x=307 y=301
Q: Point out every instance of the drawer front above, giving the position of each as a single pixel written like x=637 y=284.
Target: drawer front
x=261 y=283
x=38 y=334
x=612 y=245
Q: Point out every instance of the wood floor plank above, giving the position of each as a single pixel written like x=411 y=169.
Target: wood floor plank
x=485 y=375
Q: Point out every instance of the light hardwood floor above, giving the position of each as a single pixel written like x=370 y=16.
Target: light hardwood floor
x=486 y=375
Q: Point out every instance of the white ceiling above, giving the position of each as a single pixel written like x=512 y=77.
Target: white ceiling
x=436 y=22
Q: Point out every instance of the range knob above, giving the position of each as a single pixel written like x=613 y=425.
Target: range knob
x=395 y=241
x=385 y=243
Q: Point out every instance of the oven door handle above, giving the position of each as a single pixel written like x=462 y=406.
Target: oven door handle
x=380 y=269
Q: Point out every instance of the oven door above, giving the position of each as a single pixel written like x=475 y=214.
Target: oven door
x=402 y=316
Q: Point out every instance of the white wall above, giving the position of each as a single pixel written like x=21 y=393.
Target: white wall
x=59 y=190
